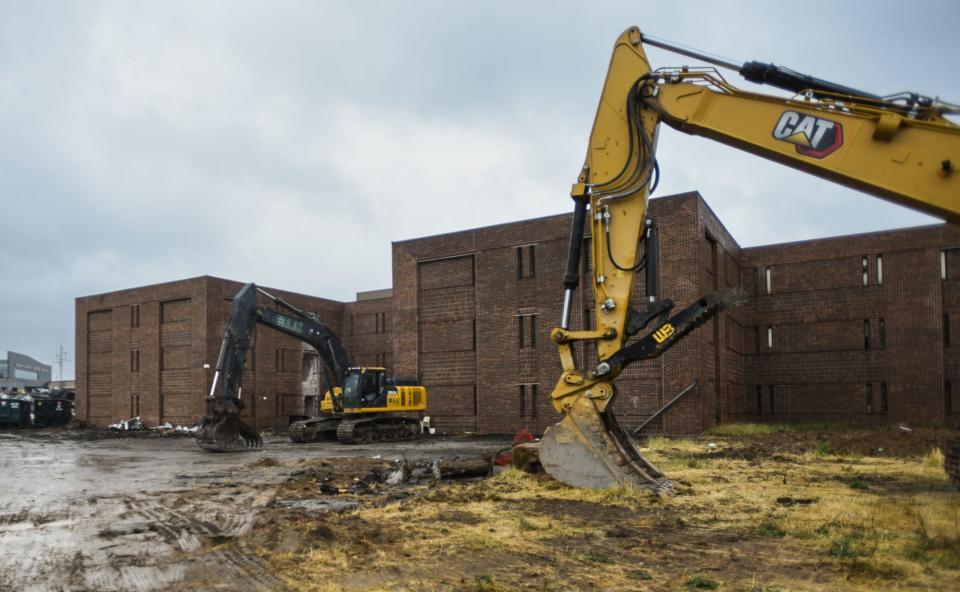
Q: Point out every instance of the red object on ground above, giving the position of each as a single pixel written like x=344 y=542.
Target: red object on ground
x=522 y=436
x=504 y=458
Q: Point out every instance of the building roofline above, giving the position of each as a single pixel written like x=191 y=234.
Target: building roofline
x=685 y=195
x=919 y=228
x=204 y=278
x=481 y=228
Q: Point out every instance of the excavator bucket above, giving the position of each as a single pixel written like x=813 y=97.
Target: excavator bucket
x=227 y=433
x=588 y=449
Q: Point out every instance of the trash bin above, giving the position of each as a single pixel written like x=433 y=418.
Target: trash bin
x=14 y=412
x=52 y=412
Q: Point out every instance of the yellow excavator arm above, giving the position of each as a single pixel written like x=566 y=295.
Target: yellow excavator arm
x=898 y=148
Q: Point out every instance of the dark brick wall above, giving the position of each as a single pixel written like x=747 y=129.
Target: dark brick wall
x=830 y=358
x=454 y=287
x=367 y=332
x=141 y=352
x=474 y=311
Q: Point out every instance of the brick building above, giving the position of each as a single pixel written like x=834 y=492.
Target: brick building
x=142 y=352
x=853 y=328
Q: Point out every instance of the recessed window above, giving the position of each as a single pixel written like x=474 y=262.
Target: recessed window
x=882 y=334
x=769 y=337
x=869 y=399
x=879 y=270
x=135 y=315
x=883 y=398
x=527 y=331
x=866 y=333
x=769 y=280
x=522 y=406
x=943 y=265
x=135 y=360
x=866 y=273
x=526 y=261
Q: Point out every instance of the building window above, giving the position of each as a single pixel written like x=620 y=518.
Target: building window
x=882 y=334
x=883 y=398
x=135 y=360
x=943 y=265
x=869 y=399
x=135 y=315
x=523 y=401
x=866 y=333
x=947 y=399
x=526 y=262
x=381 y=322
x=768 y=279
x=759 y=399
x=879 y=270
x=527 y=331
x=866 y=274
x=772 y=407
x=946 y=330
x=769 y=337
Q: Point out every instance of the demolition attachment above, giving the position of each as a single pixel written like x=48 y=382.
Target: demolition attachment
x=222 y=430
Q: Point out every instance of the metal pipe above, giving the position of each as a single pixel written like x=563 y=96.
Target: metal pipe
x=571 y=279
x=691 y=53
x=213 y=387
x=565 y=315
x=652 y=260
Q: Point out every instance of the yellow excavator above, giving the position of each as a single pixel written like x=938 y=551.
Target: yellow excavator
x=363 y=404
x=900 y=148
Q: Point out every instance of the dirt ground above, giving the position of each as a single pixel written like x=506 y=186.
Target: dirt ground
x=758 y=508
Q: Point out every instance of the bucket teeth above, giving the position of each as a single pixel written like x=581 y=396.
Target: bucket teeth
x=588 y=449
x=227 y=433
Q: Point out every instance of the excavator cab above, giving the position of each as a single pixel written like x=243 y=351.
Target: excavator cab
x=364 y=387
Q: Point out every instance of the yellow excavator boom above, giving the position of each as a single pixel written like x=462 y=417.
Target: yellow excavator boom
x=902 y=149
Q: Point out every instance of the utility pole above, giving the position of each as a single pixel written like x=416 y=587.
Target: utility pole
x=61 y=358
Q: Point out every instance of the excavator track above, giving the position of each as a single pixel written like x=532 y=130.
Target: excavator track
x=378 y=429
x=315 y=429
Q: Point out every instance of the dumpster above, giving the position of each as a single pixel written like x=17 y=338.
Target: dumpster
x=52 y=412
x=14 y=412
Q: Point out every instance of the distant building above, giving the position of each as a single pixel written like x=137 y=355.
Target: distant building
x=20 y=370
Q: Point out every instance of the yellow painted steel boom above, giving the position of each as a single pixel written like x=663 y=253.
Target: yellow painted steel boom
x=902 y=149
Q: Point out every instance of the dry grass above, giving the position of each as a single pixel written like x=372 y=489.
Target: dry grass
x=819 y=521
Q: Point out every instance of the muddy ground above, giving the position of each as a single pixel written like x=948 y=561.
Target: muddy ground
x=757 y=508
x=92 y=510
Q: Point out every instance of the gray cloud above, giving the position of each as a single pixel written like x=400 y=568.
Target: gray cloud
x=289 y=143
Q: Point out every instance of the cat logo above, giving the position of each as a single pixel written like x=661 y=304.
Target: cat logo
x=811 y=135
x=661 y=334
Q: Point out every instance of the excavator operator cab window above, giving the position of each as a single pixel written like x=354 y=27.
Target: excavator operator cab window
x=368 y=385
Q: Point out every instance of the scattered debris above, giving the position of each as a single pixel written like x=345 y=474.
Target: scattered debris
x=126 y=425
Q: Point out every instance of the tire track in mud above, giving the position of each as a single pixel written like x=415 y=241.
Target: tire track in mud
x=189 y=528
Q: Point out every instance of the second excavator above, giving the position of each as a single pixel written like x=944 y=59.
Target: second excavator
x=363 y=404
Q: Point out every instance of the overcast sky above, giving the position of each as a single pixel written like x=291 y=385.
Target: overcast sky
x=289 y=143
